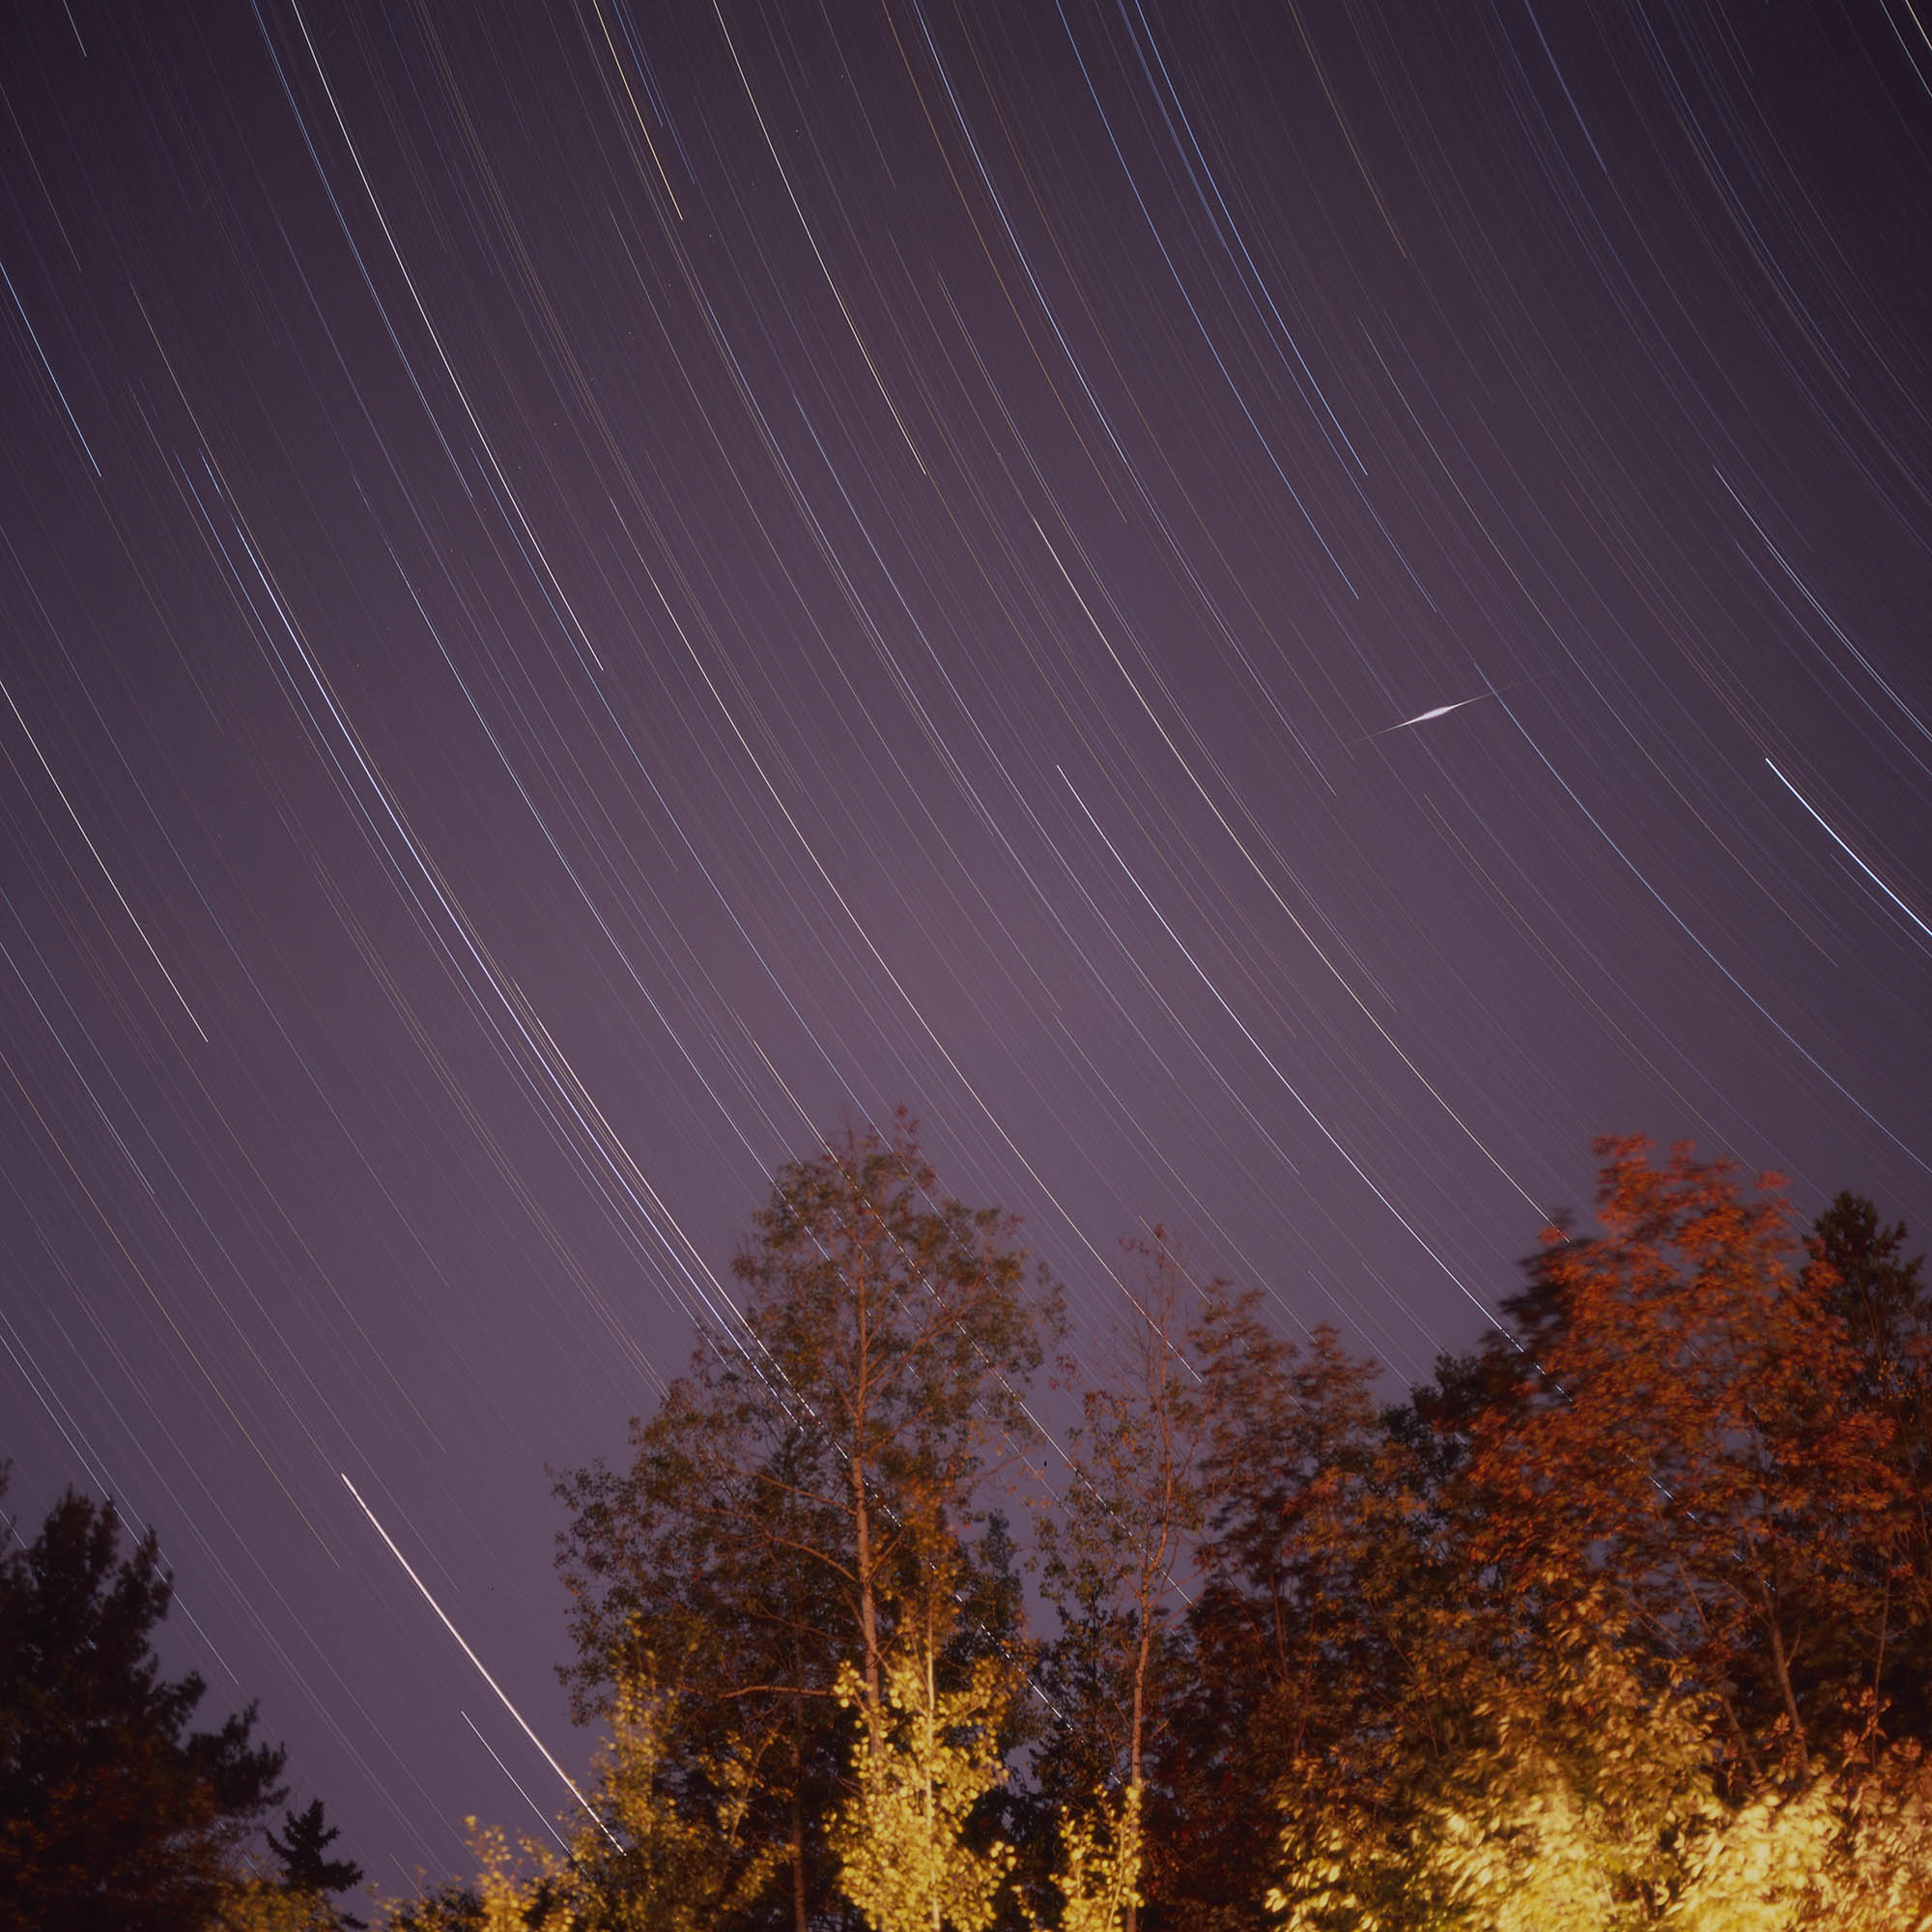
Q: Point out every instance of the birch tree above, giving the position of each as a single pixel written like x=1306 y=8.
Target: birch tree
x=817 y=1469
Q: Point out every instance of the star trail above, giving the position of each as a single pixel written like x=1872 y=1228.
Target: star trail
x=1271 y=614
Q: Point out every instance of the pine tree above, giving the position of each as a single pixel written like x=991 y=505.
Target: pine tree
x=301 y=1850
x=113 y=1813
x=1860 y=1268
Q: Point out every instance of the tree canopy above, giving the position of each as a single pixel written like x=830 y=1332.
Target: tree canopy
x=1623 y=1619
x=808 y=1493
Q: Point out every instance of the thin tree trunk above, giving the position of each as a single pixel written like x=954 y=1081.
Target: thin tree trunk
x=868 y=1609
x=800 y=1918
x=932 y=1746
x=862 y=1518
x=1790 y=1698
x=1134 y=1748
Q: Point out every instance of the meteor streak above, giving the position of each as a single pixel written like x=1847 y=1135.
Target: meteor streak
x=1423 y=717
x=409 y=1572
x=1849 y=853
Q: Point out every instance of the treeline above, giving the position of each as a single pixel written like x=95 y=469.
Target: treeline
x=1623 y=1619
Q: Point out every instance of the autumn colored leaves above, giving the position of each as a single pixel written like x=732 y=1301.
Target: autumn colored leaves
x=1628 y=1609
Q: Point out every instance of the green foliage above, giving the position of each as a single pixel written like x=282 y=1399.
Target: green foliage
x=113 y=1813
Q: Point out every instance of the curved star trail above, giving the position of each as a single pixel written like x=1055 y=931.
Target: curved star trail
x=1272 y=616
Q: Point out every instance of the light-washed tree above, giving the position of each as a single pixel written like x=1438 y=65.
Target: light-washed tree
x=925 y=1759
x=805 y=1484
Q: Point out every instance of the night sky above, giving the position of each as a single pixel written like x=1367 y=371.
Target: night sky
x=589 y=589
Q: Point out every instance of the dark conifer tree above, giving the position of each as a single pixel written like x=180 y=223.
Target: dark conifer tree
x=113 y=1813
x=301 y=1850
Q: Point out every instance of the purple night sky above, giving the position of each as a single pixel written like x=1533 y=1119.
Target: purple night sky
x=590 y=587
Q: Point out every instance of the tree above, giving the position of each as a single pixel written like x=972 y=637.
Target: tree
x=308 y=1873
x=636 y=1864
x=1598 y=1797
x=1669 y=1527
x=112 y=1812
x=690 y=1573
x=301 y=1851
x=1097 y=1872
x=261 y=1905
x=1623 y=1620
x=898 y=1321
x=906 y=1851
x=1859 y=1267
x=1686 y=1426
x=1880 y=1297
x=813 y=1477
x=645 y=1864
x=449 y=1907
x=1108 y=1553
x=1294 y=1677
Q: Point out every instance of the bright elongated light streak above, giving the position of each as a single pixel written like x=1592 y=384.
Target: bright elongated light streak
x=482 y=1669
x=1849 y=853
x=1440 y=711
x=1421 y=718
x=516 y=1780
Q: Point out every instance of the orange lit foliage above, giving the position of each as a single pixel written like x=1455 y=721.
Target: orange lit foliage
x=1623 y=1621
x=1683 y=1428
x=1673 y=1668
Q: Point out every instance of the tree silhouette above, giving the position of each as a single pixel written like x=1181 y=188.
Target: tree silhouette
x=301 y=1851
x=113 y=1813
x=1880 y=1297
